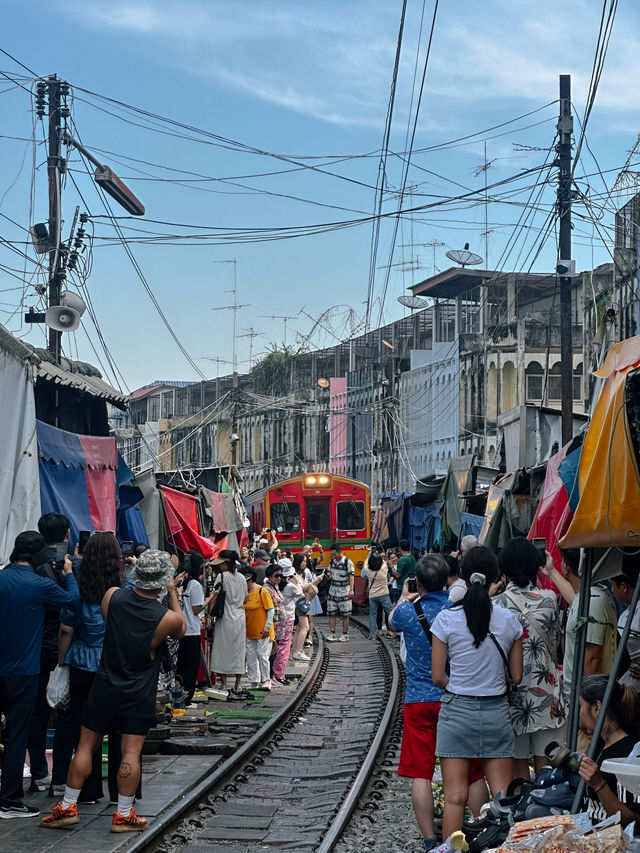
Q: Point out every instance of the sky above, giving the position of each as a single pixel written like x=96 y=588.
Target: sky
x=252 y=132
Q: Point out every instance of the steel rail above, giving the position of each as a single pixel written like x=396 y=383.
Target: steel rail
x=349 y=803
x=193 y=795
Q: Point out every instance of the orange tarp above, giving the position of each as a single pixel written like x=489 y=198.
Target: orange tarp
x=608 y=512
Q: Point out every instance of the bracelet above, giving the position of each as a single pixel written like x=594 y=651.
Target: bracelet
x=601 y=786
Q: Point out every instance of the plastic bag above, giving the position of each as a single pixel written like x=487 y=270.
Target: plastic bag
x=58 y=692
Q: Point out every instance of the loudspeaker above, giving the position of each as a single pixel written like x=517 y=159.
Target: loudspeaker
x=62 y=319
x=73 y=300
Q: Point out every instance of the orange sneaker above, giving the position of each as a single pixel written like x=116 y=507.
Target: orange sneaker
x=130 y=823
x=60 y=817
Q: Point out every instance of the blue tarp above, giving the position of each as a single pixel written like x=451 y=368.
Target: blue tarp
x=421 y=526
x=130 y=525
x=472 y=523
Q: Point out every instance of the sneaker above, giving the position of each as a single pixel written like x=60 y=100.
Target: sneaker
x=266 y=685
x=308 y=643
x=8 y=812
x=344 y=638
x=191 y=706
x=130 y=823
x=331 y=638
x=40 y=784
x=254 y=685
x=300 y=656
x=60 y=817
x=57 y=790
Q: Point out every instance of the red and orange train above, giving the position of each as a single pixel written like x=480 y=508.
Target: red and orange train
x=316 y=506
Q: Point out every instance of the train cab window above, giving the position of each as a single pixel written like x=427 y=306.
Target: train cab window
x=318 y=517
x=350 y=515
x=285 y=517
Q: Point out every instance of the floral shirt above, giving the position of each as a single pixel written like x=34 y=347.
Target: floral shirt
x=539 y=702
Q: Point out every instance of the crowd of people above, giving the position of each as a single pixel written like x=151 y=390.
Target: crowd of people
x=118 y=629
x=488 y=678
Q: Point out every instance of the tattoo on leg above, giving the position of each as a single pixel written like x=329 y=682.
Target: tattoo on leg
x=124 y=770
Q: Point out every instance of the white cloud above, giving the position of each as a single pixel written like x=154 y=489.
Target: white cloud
x=333 y=60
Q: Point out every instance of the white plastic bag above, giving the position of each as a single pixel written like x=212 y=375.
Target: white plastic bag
x=58 y=693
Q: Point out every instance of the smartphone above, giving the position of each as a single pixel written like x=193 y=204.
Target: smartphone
x=412 y=584
x=83 y=538
x=127 y=549
x=541 y=544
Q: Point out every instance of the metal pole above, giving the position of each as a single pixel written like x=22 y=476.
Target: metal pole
x=586 y=564
x=565 y=131
x=606 y=699
x=54 y=166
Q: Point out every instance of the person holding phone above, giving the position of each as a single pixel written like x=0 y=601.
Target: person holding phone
x=538 y=708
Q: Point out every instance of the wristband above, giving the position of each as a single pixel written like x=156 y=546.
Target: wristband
x=600 y=786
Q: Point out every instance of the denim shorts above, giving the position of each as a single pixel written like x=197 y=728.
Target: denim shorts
x=474 y=727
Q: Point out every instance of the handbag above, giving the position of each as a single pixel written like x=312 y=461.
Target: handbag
x=218 y=606
x=302 y=605
x=508 y=675
x=58 y=690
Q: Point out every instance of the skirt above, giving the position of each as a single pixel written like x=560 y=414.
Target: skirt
x=474 y=727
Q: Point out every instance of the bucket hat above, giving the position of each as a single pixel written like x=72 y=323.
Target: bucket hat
x=153 y=570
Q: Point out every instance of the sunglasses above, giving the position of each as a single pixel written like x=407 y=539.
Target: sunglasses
x=276 y=576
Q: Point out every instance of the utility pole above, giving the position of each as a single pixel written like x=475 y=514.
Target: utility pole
x=54 y=169
x=564 y=267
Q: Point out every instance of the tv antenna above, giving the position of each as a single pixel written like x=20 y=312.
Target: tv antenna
x=284 y=318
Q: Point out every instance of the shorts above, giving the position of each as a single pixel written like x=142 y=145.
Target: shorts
x=535 y=743
x=338 y=606
x=103 y=720
x=474 y=727
x=418 y=750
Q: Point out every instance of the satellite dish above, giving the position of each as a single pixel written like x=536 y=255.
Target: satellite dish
x=62 y=319
x=413 y=301
x=463 y=257
x=73 y=300
x=323 y=383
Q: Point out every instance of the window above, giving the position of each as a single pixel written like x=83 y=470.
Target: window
x=555 y=383
x=534 y=375
x=577 y=382
x=350 y=515
x=154 y=407
x=318 y=520
x=285 y=517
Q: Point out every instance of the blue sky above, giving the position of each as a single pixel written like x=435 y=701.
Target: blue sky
x=304 y=80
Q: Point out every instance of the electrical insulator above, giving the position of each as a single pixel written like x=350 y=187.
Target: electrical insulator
x=64 y=112
x=84 y=217
x=81 y=232
x=64 y=88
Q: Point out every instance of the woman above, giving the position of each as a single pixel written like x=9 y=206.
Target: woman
x=314 y=577
x=229 y=638
x=293 y=591
x=82 y=635
x=302 y=581
x=605 y=795
x=193 y=603
x=538 y=708
x=259 y=610
x=378 y=591
x=283 y=631
x=480 y=640
x=392 y=562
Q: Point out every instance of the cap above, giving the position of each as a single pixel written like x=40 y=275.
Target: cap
x=32 y=546
x=153 y=570
x=261 y=554
x=288 y=572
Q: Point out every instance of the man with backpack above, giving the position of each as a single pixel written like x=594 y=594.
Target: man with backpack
x=341 y=574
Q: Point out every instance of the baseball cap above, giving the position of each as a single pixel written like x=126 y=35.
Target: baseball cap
x=32 y=546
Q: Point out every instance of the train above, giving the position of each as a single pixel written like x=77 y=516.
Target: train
x=318 y=505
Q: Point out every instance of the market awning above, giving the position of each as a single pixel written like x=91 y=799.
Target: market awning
x=608 y=512
x=89 y=384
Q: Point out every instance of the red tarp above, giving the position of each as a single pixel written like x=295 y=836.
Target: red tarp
x=183 y=527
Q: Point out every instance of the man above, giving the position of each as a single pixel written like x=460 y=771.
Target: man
x=55 y=528
x=341 y=574
x=123 y=695
x=261 y=562
x=622 y=587
x=422 y=698
x=458 y=587
x=602 y=626
x=313 y=562
x=24 y=596
x=406 y=564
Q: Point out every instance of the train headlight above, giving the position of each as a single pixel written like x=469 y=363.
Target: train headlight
x=310 y=481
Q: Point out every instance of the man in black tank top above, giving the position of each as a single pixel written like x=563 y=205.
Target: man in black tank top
x=123 y=695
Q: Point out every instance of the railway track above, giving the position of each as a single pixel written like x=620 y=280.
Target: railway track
x=296 y=782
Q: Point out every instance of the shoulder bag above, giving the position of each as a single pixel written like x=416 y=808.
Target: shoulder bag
x=302 y=605
x=218 y=606
x=424 y=622
x=508 y=675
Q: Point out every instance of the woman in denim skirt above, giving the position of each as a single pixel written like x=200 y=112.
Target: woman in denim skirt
x=474 y=717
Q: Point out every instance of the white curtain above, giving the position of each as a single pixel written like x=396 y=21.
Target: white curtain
x=19 y=480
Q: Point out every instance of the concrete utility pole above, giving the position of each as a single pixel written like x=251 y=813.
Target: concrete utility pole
x=564 y=268
x=54 y=169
